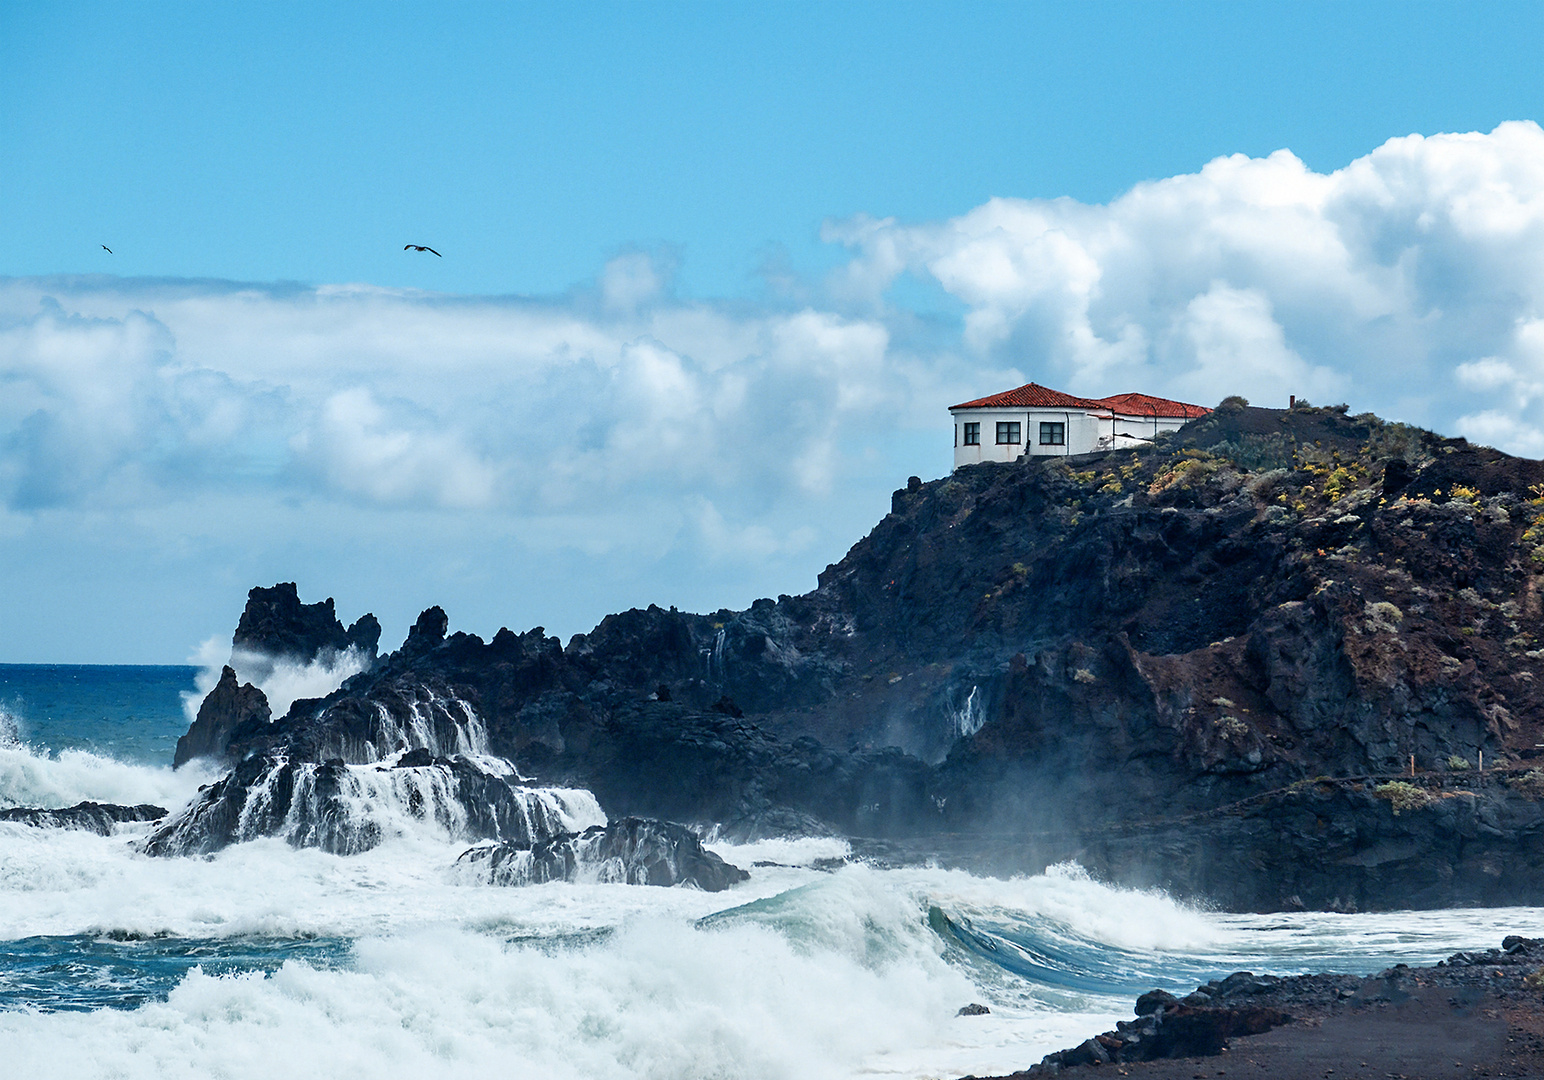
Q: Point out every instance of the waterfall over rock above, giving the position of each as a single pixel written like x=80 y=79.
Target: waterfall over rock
x=346 y=809
x=632 y=851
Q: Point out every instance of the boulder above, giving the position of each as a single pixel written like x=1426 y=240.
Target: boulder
x=100 y=818
x=634 y=851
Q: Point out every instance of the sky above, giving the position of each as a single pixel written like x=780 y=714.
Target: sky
x=710 y=276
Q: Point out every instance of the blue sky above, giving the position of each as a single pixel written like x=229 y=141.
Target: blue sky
x=710 y=275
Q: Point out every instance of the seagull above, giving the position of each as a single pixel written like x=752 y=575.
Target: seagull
x=107 y=249
x=420 y=247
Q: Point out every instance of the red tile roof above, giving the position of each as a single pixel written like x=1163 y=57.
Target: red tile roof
x=1031 y=396
x=1147 y=405
x=1035 y=396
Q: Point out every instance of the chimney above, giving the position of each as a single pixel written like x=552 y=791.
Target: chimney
x=1291 y=401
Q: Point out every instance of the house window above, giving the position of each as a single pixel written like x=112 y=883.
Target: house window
x=1053 y=434
x=973 y=434
x=1007 y=432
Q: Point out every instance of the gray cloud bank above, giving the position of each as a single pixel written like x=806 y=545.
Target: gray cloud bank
x=739 y=447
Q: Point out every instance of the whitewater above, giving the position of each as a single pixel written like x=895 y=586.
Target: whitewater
x=397 y=963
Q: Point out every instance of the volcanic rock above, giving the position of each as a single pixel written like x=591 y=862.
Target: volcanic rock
x=226 y=708
x=1259 y=663
x=275 y=623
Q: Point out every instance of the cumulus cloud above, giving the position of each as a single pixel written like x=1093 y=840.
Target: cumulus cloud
x=561 y=416
x=358 y=448
x=1411 y=280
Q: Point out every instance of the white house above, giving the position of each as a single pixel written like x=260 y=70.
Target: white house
x=1037 y=420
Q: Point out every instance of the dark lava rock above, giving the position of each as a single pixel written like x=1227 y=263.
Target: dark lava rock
x=1223 y=649
x=975 y=1008
x=1168 y=1028
x=276 y=624
x=634 y=851
x=224 y=709
x=87 y=816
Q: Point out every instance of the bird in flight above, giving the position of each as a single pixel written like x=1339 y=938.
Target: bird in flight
x=107 y=249
x=420 y=247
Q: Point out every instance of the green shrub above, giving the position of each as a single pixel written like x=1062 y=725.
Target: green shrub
x=1257 y=453
x=1402 y=796
x=1458 y=764
x=1382 y=615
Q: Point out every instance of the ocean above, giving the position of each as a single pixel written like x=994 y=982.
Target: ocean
x=266 y=959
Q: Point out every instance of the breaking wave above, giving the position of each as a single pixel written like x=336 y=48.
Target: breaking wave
x=282 y=681
x=31 y=777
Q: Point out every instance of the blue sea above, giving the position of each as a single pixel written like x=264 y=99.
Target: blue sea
x=265 y=960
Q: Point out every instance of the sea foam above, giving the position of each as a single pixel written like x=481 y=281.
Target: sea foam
x=29 y=777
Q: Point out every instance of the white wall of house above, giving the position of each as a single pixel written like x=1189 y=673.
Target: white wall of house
x=1080 y=432
x=1084 y=433
x=1142 y=427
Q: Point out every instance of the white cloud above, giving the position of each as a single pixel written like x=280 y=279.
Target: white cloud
x=631 y=280
x=1419 y=267
x=1229 y=337
x=361 y=450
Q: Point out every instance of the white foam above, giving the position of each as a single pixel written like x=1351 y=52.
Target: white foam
x=800 y=851
x=800 y=974
x=393 y=802
x=657 y=1000
x=282 y=681
x=30 y=778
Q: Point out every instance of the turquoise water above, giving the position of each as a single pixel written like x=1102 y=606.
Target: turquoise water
x=81 y=972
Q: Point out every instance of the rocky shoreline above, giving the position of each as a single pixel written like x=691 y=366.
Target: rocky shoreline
x=1281 y=660
x=1474 y=1014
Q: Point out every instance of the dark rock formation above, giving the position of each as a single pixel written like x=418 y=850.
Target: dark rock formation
x=99 y=818
x=275 y=623
x=226 y=708
x=1162 y=646
x=275 y=628
x=633 y=851
x=1342 y=846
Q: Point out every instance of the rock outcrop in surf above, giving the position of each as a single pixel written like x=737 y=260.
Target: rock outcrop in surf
x=99 y=818
x=632 y=851
x=229 y=707
x=275 y=629
x=275 y=623
x=346 y=809
x=1146 y=660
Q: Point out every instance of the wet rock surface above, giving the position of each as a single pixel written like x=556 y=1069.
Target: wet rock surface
x=347 y=809
x=99 y=818
x=1215 y=655
x=229 y=707
x=275 y=623
x=1476 y=1013
x=632 y=851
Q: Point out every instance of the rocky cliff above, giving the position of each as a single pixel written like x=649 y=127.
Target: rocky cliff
x=1178 y=664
